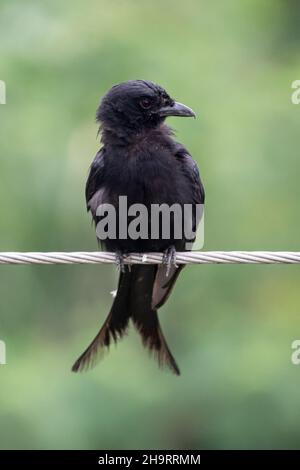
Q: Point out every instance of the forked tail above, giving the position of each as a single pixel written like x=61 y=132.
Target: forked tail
x=133 y=300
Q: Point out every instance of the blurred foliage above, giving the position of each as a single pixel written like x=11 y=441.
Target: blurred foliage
x=230 y=327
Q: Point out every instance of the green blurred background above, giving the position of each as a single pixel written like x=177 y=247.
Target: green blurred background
x=230 y=327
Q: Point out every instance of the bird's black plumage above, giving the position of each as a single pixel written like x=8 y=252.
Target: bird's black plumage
x=141 y=160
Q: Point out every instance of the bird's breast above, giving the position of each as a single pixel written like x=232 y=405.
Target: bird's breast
x=146 y=176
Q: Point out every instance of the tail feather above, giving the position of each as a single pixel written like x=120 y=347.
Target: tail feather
x=145 y=317
x=134 y=299
x=95 y=350
x=164 y=284
x=114 y=327
x=153 y=339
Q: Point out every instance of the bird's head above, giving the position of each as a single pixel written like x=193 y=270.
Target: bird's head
x=138 y=104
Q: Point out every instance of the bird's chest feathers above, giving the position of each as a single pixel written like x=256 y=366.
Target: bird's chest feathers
x=144 y=173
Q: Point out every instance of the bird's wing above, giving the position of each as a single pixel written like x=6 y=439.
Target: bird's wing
x=190 y=170
x=94 y=190
x=163 y=284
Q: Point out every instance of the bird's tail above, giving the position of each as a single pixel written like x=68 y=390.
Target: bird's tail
x=114 y=327
x=145 y=317
x=133 y=299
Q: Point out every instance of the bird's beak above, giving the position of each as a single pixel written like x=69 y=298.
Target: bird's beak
x=177 y=109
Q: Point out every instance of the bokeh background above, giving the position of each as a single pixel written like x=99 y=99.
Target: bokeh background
x=230 y=327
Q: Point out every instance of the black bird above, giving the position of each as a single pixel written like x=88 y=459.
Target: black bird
x=140 y=159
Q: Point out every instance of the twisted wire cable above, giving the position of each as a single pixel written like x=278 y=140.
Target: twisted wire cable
x=191 y=257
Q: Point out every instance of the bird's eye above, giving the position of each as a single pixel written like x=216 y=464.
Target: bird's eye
x=146 y=103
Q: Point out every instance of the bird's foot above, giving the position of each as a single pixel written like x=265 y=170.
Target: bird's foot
x=169 y=259
x=121 y=266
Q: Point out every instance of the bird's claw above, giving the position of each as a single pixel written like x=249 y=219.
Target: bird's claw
x=120 y=262
x=169 y=259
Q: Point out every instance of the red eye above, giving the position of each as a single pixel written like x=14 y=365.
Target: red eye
x=146 y=103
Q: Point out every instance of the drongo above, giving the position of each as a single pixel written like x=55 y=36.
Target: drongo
x=141 y=160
